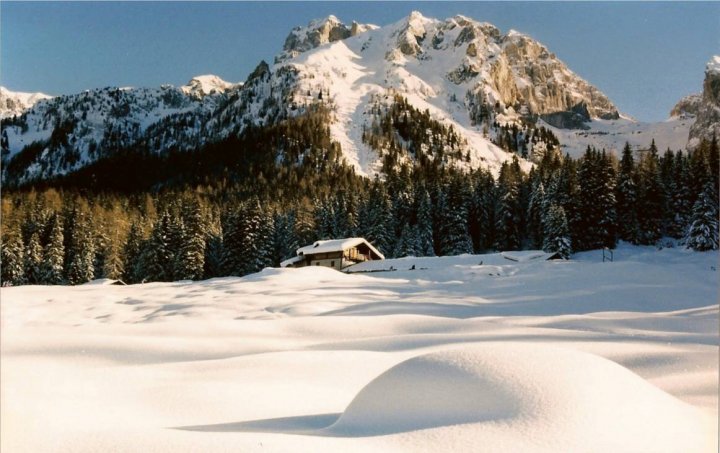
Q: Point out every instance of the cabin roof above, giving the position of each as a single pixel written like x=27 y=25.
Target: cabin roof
x=336 y=245
x=291 y=261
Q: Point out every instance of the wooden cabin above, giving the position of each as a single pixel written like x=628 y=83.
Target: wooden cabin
x=335 y=253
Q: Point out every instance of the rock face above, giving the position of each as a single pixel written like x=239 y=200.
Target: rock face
x=689 y=106
x=15 y=103
x=317 y=33
x=707 y=121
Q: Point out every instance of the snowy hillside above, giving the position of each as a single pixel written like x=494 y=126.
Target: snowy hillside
x=66 y=133
x=611 y=135
x=489 y=92
x=14 y=103
x=512 y=354
x=465 y=73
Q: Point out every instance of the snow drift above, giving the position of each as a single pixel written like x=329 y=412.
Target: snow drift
x=513 y=390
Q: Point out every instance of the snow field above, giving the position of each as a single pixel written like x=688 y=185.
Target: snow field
x=520 y=355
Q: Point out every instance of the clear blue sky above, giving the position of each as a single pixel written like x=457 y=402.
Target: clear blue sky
x=644 y=56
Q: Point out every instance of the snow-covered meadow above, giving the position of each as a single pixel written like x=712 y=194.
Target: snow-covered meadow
x=468 y=353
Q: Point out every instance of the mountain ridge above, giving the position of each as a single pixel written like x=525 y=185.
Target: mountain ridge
x=493 y=91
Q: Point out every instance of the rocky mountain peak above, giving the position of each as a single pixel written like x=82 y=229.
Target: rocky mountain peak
x=204 y=85
x=317 y=33
x=14 y=103
x=707 y=122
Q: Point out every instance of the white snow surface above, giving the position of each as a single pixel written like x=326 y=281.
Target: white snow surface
x=201 y=86
x=460 y=352
x=16 y=102
x=611 y=135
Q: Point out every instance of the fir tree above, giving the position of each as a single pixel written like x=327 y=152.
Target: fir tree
x=651 y=198
x=33 y=260
x=158 y=259
x=536 y=208
x=703 y=231
x=132 y=252
x=626 y=196
x=556 y=232
x=54 y=255
x=508 y=212
x=190 y=259
x=81 y=268
x=424 y=239
x=13 y=259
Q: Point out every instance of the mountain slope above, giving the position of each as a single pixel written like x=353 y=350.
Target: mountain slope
x=483 y=97
x=14 y=103
x=707 y=123
x=66 y=133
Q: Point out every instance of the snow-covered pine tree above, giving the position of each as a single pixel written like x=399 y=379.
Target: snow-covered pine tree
x=213 y=256
x=232 y=243
x=376 y=221
x=13 y=256
x=556 y=232
x=424 y=240
x=190 y=259
x=453 y=213
x=132 y=252
x=407 y=242
x=257 y=241
x=482 y=208
x=703 y=231
x=325 y=220
x=626 y=196
x=651 y=198
x=81 y=268
x=536 y=207
x=158 y=258
x=285 y=240
x=33 y=260
x=679 y=202
x=54 y=255
x=507 y=213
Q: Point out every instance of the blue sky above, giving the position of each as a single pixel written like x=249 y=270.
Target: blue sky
x=644 y=56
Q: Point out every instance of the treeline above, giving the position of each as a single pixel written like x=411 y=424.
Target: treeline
x=235 y=227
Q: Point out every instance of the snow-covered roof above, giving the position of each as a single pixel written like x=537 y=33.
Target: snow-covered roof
x=527 y=255
x=291 y=261
x=336 y=245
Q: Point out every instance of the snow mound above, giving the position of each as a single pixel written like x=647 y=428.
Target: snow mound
x=574 y=400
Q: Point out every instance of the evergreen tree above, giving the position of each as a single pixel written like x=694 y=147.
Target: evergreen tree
x=651 y=198
x=81 y=268
x=190 y=260
x=33 y=260
x=158 y=259
x=703 y=232
x=454 y=237
x=556 y=232
x=424 y=239
x=54 y=255
x=13 y=259
x=626 y=196
x=132 y=252
x=376 y=221
x=536 y=208
x=508 y=212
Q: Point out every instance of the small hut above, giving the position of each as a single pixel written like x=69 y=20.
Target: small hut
x=335 y=253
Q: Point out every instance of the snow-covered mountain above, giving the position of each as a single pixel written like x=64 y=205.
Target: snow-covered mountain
x=707 y=122
x=65 y=133
x=486 y=89
x=14 y=103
